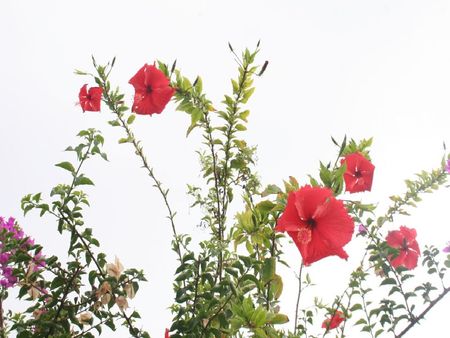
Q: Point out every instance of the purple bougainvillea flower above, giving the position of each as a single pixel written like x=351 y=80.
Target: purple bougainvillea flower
x=10 y=230
x=447 y=167
x=447 y=248
x=362 y=230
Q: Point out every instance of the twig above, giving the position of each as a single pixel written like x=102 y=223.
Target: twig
x=63 y=299
x=424 y=312
x=298 y=297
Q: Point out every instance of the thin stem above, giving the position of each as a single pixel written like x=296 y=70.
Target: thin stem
x=140 y=152
x=272 y=254
x=220 y=219
x=63 y=299
x=82 y=334
x=197 y=279
x=2 y=325
x=226 y=149
x=298 y=297
x=86 y=245
x=114 y=106
x=227 y=300
x=348 y=305
x=75 y=175
x=367 y=314
x=388 y=216
x=422 y=315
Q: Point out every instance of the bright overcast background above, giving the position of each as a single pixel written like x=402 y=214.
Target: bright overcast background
x=360 y=68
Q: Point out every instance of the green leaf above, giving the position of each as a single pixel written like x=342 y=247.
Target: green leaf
x=241 y=127
x=356 y=307
x=268 y=272
x=131 y=119
x=279 y=318
x=66 y=165
x=196 y=115
x=271 y=189
x=265 y=206
x=198 y=85
x=389 y=281
x=83 y=180
x=247 y=95
x=276 y=286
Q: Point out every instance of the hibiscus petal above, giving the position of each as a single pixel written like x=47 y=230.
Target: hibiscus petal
x=411 y=259
x=317 y=249
x=394 y=239
x=335 y=225
x=155 y=78
x=161 y=96
x=309 y=198
x=399 y=260
x=414 y=246
x=138 y=80
x=409 y=234
x=289 y=220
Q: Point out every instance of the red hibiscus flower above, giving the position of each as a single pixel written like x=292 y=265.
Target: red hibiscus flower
x=317 y=222
x=90 y=100
x=167 y=334
x=334 y=322
x=152 y=91
x=359 y=173
x=405 y=241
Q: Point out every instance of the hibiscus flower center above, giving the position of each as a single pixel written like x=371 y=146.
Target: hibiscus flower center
x=405 y=244
x=149 y=89
x=311 y=223
x=357 y=173
x=88 y=97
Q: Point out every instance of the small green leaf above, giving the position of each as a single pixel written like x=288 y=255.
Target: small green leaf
x=83 y=180
x=131 y=119
x=389 y=281
x=271 y=190
x=241 y=127
x=279 y=318
x=66 y=165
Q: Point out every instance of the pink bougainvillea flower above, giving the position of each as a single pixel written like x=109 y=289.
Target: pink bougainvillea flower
x=447 y=248
x=359 y=173
x=90 y=99
x=334 y=321
x=405 y=241
x=318 y=223
x=152 y=91
x=447 y=167
x=167 y=334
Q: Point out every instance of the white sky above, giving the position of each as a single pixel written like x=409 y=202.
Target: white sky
x=361 y=68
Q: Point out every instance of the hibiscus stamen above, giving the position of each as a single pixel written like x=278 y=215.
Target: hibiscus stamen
x=304 y=235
